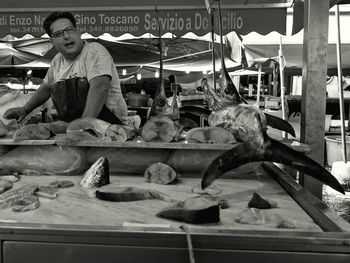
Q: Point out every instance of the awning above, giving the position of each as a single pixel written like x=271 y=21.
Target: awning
x=298 y=13
x=21 y=17
x=180 y=53
x=258 y=49
x=11 y=56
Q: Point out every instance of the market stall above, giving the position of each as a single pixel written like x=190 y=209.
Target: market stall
x=77 y=227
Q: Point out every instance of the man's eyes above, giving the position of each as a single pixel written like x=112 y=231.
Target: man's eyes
x=60 y=33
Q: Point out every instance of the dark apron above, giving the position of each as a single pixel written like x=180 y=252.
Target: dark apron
x=69 y=97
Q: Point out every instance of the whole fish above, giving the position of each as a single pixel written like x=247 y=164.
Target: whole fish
x=248 y=124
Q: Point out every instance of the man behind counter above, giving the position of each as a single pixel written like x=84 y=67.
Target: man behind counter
x=82 y=79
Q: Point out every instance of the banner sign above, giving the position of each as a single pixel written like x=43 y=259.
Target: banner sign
x=135 y=22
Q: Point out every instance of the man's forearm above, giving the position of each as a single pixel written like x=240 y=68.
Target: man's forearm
x=95 y=101
x=39 y=97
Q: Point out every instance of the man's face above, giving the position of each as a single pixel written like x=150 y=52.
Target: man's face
x=65 y=38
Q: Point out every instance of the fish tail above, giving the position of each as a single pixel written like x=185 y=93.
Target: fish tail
x=281 y=153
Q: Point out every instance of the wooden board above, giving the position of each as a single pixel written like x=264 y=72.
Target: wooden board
x=77 y=206
x=183 y=145
x=10 y=141
x=62 y=140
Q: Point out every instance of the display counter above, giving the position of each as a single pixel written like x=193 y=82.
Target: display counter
x=77 y=227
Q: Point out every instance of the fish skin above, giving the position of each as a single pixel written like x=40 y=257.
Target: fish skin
x=129 y=194
x=9 y=198
x=248 y=125
x=97 y=175
x=195 y=210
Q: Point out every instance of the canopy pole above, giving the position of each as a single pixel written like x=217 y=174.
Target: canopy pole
x=160 y=92
x=259 y=86
x=221 y=39
x=281 y=68
x=340 y=85
x=212 y=45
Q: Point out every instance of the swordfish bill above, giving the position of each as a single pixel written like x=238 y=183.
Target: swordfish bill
x=272 y=151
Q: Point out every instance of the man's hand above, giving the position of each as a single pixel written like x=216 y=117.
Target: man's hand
x=17 y=113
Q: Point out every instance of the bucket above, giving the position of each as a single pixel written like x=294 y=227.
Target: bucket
x=137 y=100
x=335 y=150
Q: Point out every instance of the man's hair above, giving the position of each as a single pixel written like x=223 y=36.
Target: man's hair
x=55 y=16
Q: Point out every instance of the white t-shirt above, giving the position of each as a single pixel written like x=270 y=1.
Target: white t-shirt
x=93 y=61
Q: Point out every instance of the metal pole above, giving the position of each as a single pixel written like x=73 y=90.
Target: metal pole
x=259 y=87
x=221 y=40
x=280 y=61
x=212 y=43
x=281 y=66
x=340 y=85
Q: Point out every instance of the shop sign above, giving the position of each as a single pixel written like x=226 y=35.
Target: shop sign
x=137 y=23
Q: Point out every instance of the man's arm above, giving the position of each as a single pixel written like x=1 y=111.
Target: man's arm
x=96 y=96
x=39 y=97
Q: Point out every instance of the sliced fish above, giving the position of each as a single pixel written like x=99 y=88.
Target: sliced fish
x=13 y=196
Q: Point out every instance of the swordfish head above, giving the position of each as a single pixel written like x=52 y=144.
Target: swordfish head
x=245 y=122
x=248 y=125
